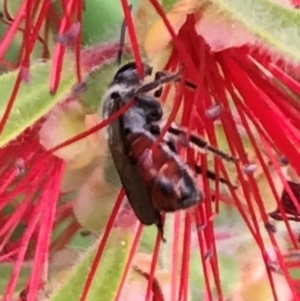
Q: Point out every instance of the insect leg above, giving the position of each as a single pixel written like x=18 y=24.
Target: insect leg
x=212 y=176
x=163 y=78
x=198 y=141
x=158 y=92
x=151 y=107
x=290 y=216
x=155 y=130
x=156 y=287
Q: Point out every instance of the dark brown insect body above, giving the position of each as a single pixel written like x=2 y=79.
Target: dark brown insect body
x=154 y=176
x=23 y=295
x=287 y=204
x=171 y=183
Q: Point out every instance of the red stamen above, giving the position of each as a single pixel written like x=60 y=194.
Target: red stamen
x=25 y=63
x=94 y=129
x=278 y=171
x=10 y=33
x=11 y=101
x=59 y=50
x=102 y=244
x=175 y=247
x=49 y=198
x=36 y=29
x=66 y=236
x=35 y=34
x=199 y=217
x=176 y=106
x=132 y=36
x=78 y=41
x=132 y=252
x=153 y=266
x=184 y=55
x=21 y=254
x=184 y=276
x=266 y=172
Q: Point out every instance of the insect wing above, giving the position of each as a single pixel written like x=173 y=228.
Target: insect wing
x=131 y=180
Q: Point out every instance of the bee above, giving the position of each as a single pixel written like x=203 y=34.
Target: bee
x=155 y=178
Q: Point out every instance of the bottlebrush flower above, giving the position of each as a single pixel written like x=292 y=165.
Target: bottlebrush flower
x=244 y=102
x=37 y=205
x=234 y=71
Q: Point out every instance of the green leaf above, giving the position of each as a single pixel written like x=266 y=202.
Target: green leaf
x=33 y=99
x=229 y=273
x=275 y=25
x=148 y=239
x=12 y=6
x=168 y=4
x=102 y=20
x=107 y=276
x=13 y=50
x=97 y=82
x=228 y=269
x=12 y=54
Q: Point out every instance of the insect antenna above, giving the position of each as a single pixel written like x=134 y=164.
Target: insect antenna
x=161 y=78
x=189 y=84
x=122 y=40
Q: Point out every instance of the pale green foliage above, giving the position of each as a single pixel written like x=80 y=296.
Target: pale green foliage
x=108 y=274
x=276 y=26
x=102 y=20
x=33 y=99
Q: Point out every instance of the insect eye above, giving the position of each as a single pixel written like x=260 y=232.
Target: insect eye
x=128 y=74
x=154 y=129
x=147 y=70
x=115 y=95
x=154 y=115
x=127 y=131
